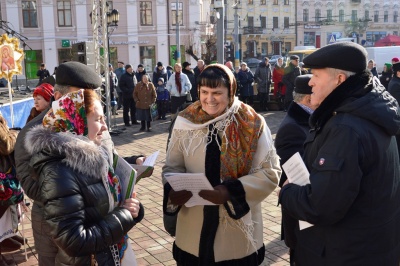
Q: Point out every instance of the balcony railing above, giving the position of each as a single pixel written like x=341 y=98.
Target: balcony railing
x=253 y=30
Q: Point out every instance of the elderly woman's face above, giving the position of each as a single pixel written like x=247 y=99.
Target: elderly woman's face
x=214 y=101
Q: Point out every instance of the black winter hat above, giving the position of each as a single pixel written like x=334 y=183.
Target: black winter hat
x=294 y=57
x=159 y=64
x=78 y=75
x=396 y=67
x=185 y=64
x=140 y=65
x=347 y=56
x=301 y=84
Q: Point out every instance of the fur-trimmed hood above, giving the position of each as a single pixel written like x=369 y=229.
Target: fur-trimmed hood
x=76 y=151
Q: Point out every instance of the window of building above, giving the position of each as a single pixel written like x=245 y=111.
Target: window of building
x=395 y=32
x=309 y=38
x=286 y=22
x=341 y=15
x=366 y=15
x=353 y=15
x=180 y=13
x=317 y=15
x=386 y=16
x=29 y=14
x=148 y=57
x=264 y=49
x=250 y=2
x=263 y=2
x=275 y=2
x=286 y=2
x=146 y=18
x=329 y=14
x=305 y=15
x=250 y=22
x=33 y=59
x=64 y=13
x=376 y=16
x=263 y=22
x=395 y=15
x=275 y=22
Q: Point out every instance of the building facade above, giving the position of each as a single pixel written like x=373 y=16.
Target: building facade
x=146 y=31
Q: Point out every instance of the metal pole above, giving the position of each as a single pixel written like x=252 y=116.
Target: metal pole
x=220 y=32
x=236 y=22
x=178 y=40
x=105 y=34
x=295 y=20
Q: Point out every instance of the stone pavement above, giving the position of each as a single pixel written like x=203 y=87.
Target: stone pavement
x=151 y=243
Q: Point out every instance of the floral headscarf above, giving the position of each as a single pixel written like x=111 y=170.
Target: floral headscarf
x=68 y=114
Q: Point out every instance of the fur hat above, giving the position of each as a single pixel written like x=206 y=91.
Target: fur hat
x=45 y=90
x=78 y=75
x=301 y=84
x=347 y=56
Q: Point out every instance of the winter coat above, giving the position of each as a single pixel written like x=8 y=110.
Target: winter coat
x=263 y=77
x=385 y=78
x=119 y=72
x=139 y=75
x=127 y=83
x=72 y=177
x=192 y=79
x=246 y=79
x=159 y=74
x=277 y=76
x=290 y=74
x=353 y=196
x=162 y=93
x=144 y=97
x=290 y=139
x=185 y=82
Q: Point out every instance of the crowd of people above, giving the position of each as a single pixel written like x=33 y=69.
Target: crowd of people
x=341 y=119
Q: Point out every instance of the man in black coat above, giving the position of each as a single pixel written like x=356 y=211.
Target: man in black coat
x=290 y=73
x=42 y=73
x=353 y=196
x=394 y=90
x=290 y=139
x=127 y=85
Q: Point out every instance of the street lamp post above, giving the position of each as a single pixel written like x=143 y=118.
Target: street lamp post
x=112 y=22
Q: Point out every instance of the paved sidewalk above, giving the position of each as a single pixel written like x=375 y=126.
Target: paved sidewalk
x=151 y=243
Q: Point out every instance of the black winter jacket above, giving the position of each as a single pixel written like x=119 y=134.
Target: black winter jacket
x=72 y=173
x=263 y=77
x=354 y=192
x=127 y=84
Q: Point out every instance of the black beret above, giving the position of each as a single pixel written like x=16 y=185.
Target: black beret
x=294 y=57
x=348 y=56
x=396 y=67
x=78 y=75
x=301 y=84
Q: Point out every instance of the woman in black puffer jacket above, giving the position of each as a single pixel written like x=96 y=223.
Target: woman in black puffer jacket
x=84 y=208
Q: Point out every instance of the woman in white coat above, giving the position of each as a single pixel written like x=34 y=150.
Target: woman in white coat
x=178 y=86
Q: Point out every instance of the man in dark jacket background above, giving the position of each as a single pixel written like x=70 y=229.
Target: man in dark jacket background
x=290 y=139
x=394 y=90
x=290 y=73
x=263 y=77
x=190 y=74
x=119 y=71
x=127 y=85
x=353 y=196
x=42 y=73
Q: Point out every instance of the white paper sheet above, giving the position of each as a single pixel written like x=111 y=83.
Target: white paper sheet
x=193 y=182
x=297 y=173
x=151 y=159
x=127 y=176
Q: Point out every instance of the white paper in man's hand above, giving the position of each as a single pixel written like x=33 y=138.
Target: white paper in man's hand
x=297 y=173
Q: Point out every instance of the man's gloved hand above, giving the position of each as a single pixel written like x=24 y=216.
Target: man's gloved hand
x=219 y=195
x=179 y=197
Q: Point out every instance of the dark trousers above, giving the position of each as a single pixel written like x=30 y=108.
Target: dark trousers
x=176 y=103
x=120 y=99
x=161 y=108
x=129 y=105
x=143 y=124
x=247 y=99
x=263 y=97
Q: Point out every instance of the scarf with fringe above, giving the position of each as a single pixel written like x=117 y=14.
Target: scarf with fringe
x=239 y=127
